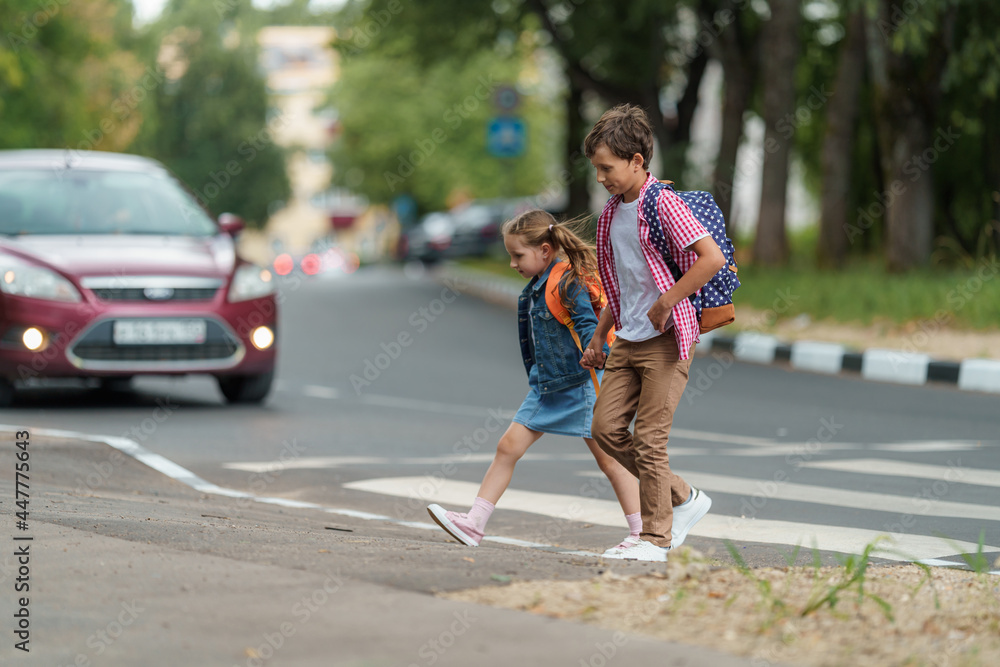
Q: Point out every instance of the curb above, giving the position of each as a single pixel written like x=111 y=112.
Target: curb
x=875 y=364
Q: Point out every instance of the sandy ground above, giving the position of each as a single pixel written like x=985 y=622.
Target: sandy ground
x=940 y=342
x=941 y=617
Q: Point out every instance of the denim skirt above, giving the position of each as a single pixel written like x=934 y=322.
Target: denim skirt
x=565 y=412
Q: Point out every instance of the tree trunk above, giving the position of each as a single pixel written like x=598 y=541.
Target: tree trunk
x=735 y=100
x=909 y=197
x=779 y=49
x=676 y=139
x=736 y=51
x=991 y=166
x=579 y=193
x=903 y=110
x=688 y=103
x=838 y=145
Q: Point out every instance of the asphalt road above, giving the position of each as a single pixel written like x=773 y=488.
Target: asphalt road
x=393 y=389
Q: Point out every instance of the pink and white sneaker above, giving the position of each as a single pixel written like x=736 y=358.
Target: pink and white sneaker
x=624 y=544
x=456 y=524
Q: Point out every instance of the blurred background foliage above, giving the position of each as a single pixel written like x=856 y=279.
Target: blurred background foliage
x=902 y=151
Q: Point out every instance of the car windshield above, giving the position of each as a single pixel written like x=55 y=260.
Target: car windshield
x=45 y=201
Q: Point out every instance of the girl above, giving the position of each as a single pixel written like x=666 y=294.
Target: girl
x=561 y=395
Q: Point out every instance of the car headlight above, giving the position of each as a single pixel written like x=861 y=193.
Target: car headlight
x=251 y=282
x=23 y=279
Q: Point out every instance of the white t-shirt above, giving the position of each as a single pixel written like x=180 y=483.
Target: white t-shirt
x=638 y=289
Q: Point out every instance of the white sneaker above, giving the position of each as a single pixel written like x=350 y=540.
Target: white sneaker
x=625 y=544
x=688 y=514
x=641 y=550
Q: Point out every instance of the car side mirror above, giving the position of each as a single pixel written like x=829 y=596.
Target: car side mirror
x=231 y=223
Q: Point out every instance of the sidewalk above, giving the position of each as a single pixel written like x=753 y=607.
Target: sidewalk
x=129 y=567
x=914 y=355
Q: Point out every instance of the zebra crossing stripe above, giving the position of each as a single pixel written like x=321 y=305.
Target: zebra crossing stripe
x=457 y=494
x=919 y=470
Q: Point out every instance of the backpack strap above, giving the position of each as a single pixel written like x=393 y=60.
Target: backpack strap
x=649 y=204
x=552 y=300
x=559 y=311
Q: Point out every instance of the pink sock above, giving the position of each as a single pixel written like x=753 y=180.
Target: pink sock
x=480 y=512
x=634 y=524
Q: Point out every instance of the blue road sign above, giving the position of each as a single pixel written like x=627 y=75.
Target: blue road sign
x=506 y=136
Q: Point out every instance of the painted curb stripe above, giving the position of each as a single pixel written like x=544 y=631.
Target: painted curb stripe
x=950 y=372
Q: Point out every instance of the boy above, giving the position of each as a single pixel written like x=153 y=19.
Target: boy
x=657 y=327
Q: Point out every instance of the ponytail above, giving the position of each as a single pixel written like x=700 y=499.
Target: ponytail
x=536 y=227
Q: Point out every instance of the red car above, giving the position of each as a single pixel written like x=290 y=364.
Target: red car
x=110 y=269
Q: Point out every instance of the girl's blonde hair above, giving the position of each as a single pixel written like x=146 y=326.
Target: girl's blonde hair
x=536 y=227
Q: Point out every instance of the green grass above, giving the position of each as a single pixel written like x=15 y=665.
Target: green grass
x=847 y=581
x=863 y=292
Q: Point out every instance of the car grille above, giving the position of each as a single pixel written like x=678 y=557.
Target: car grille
x=153 y=288
x=138 y=294
x=97 y=345
x=155 y=352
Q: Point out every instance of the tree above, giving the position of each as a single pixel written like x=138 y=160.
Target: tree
x=735 y=47
x=964 y=152
x=906 y=97
x=935 y=71
x=629 y=53
x=611 y=53
x=779 y=48
x=68 y=75
x=839 y=145
x=422 y=130
x=212 y=126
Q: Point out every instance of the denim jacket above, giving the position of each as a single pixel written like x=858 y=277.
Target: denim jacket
x=557 y=356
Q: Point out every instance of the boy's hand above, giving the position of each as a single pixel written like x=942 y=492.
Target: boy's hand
x=660 y=312
x=593 y=355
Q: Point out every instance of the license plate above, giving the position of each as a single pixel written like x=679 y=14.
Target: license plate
x=159 y=332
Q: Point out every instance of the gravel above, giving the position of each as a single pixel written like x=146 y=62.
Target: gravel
x=938 y=616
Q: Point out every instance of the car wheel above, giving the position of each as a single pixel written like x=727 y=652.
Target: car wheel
x=6 y=392
x=246 y=388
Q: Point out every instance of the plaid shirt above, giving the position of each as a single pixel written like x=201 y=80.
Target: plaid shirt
x=681 y=229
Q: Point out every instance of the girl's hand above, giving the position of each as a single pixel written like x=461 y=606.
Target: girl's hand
x=593 y=356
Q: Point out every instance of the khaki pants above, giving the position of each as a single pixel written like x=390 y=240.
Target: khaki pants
x=645 y=381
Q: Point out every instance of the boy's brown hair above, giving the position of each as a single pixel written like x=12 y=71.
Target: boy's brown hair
x=625 y=130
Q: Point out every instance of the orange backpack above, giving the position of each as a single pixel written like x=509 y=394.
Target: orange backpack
x=597 y=299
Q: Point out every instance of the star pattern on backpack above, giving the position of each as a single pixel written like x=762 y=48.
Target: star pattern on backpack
x=718 y=291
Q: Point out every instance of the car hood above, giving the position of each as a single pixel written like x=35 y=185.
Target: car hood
x=128 y=255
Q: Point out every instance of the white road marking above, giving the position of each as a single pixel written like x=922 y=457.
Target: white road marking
x=574 y=508
x=708 y=436
x=185 y=476
x=797 y=451
x=319 y=462
x=937 y=562
x=320 y=392
x=759 y=448
x=434 y=406
x=766 y=446
x=885 y=467
x=904 y=547
x=770 y=446
x=824 y=495
x=927 y=446
x=304 y=462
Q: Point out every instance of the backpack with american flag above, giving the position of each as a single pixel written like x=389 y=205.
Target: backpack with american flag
x=714 y=301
